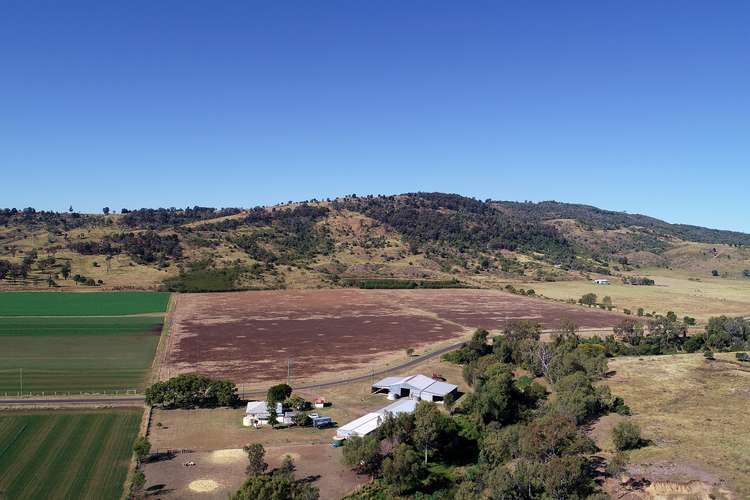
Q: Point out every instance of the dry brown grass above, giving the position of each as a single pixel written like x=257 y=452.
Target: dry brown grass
x=694 y=411
x=674 y=291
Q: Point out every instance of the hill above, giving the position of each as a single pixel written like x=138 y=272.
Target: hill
x=413 y=239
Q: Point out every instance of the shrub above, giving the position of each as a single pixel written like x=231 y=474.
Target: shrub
x=626 y=436
x=742 y=356
x=618 y=464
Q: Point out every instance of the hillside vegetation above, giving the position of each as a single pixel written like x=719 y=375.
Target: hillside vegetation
x=399 y=241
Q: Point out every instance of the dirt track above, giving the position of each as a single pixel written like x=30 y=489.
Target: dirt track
x=248 y=336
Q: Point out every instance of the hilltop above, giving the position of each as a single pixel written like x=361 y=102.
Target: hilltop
x=432 y=239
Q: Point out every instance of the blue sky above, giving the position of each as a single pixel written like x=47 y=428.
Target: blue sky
x=640 y=106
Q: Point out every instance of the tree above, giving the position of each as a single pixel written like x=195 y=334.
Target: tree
x=142 y=448
x=588 y=299
x=256 y=454
x=607 y=301
x=363 y=454
x=496 y=399
x=629 y=330
x=139 y=480
x=105 y=210
x=278 y=394
x=403 y=470
x=278 y=485
x=409 y=352
x=428 y=422
x=192 y=390
x=715 y=273
x=273 y=420
x=626 y=436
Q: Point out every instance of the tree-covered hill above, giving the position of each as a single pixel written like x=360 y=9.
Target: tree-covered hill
x=413 y=239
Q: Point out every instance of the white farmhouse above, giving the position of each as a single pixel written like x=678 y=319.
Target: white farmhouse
x=257 y=414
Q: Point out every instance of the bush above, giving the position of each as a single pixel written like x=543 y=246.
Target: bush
x=627 y=436
x=709 y=355
x=742 y=356
x=618 y=464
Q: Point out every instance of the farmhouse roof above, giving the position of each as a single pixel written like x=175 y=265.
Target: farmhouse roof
x=260 y=408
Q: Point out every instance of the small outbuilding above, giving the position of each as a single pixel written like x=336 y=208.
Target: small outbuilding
x=415 y=386
x=601 y=281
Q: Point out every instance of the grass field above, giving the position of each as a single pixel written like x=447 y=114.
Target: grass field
x=73 y=454
x=694 y=411
x=76 y=354
x=672 y=292
x=81 y=304
x=54 y=352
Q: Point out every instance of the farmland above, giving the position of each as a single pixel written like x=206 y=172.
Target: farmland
x=249 y=336
x=71 y=454
x=81 y=304
x=85 y=352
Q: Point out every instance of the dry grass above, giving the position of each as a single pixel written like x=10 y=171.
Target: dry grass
x=694 y=411
x=674 y=291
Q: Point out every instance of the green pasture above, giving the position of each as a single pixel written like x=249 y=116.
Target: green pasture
x=71 y=454
x=76 y=354
x=81 y=304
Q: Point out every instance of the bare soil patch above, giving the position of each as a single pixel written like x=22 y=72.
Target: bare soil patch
x=249 y=336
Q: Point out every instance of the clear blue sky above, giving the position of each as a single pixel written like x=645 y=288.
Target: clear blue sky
x=641 y=106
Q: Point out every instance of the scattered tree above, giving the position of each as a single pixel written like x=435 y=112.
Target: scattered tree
x=256 y=454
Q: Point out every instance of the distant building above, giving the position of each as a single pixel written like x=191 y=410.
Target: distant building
x=415 y=386
x=601 y=282
x=366 y=424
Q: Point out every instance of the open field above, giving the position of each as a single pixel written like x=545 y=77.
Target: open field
x=81 y=304
x=249 y=336
x=694 y=411
x=70 y=454
x=672 y=292
x=81 y=351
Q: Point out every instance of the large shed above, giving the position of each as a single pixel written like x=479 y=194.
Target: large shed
x=366 y=424
x=415 y=386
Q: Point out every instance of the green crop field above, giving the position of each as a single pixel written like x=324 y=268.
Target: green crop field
x=81 y=304
x=48 y=350
x=76 y=354
x=71 y=454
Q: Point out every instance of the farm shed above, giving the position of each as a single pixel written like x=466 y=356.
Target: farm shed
x=365 y=424
x=415 y=386
x=601 y=282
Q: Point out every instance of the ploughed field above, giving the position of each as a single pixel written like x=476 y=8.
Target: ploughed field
x=70 y=454
x=249 y=336
x=49 y=350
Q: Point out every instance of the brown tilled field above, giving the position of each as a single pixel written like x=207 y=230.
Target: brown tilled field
x=249 y=336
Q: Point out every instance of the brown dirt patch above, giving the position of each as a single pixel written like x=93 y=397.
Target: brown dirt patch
x=211 y=480
x=248 y=336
